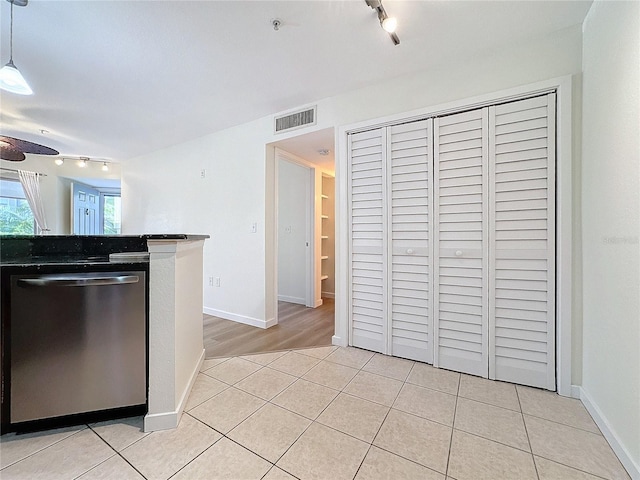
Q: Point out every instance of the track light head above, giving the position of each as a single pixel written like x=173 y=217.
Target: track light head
x=388 y=23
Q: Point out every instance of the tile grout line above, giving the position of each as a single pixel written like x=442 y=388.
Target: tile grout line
x=273 y=464
x=574 y=468
x=197 y=456
x=43 y=448
x=598 y=433
x=405 y=381
x=116 y=451
x=341 y=391
x=526 y=431
x=381 y=423
x=453 y=424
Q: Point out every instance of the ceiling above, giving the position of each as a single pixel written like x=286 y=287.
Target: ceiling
x=117 y=79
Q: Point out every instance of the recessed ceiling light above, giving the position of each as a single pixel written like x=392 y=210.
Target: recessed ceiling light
x=324 y=152
x=44 y=132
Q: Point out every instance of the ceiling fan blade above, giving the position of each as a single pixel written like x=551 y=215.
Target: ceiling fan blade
x=7 y=152
x=28 y=147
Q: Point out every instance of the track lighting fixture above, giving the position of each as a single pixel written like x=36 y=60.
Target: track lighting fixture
x=84 y=162
x=388 y=23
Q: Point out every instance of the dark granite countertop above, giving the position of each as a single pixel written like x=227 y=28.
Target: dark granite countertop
x=16 y=250
x=146 y=236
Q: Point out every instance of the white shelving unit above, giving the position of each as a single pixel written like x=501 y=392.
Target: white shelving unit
x=327 y=235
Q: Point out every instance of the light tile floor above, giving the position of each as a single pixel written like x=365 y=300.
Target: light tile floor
x=332 y=413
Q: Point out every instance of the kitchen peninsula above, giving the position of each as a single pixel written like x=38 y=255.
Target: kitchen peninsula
x=170 y=265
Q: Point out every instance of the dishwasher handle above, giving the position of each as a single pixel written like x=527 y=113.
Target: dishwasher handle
x=76 y=281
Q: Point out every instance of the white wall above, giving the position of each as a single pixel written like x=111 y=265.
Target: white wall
x=293 y=230
x=163 y=191
x=611 y=218
x=55 y=187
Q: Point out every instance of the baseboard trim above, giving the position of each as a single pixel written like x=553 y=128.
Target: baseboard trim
x=288 y=299
x=633 y=469
x=170 y=420
x=575 y=391
x=187 y=391
x=328 y=295
x=335 y=340
x=160 y=421
x=234 y=317
x=319 y=302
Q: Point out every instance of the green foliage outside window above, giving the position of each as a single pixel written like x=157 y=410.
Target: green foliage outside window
x=111 y=225
x=15 y=217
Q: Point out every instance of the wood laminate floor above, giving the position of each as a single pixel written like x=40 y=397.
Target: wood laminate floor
x=298 y=327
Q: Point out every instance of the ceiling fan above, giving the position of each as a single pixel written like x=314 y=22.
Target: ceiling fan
x=13 y=149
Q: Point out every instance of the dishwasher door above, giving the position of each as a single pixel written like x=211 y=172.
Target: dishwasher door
x=78 y=343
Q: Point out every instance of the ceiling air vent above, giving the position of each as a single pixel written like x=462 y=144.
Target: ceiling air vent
x=295 y=120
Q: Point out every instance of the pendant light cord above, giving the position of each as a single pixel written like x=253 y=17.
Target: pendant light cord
x=11 y=36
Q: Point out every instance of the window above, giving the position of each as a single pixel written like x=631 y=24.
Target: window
x=112 y=215
x=16 y=217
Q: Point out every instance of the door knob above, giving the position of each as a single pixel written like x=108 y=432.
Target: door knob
x=458 y=253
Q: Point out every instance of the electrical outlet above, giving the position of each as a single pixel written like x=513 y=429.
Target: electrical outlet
x=203 y=173
x=254 y=227
x=211 y=281
x=217 y=281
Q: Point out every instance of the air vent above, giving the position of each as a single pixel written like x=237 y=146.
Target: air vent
x=291 y=121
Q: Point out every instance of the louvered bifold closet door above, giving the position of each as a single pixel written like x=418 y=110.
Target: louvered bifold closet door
x=410 y=186
x=522 y=248
x=461 y=226
x=368 y=272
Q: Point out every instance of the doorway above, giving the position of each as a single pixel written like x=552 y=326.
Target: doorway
x=315 y=152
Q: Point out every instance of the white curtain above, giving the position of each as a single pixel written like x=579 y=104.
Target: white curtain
x=31 y=184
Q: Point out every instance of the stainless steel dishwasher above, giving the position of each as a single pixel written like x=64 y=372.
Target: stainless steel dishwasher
x=78 y=343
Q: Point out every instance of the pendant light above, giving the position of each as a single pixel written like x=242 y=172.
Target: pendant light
x=11 y=79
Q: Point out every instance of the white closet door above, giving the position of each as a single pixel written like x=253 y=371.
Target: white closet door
x=410 y=185
x=522 y=248
x=461 y=235
x=368 y=272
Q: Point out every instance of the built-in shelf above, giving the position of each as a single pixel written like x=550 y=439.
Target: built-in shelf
x=327 y=227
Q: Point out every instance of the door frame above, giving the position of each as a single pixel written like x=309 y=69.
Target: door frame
x=564 y=208
x=313 y=298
